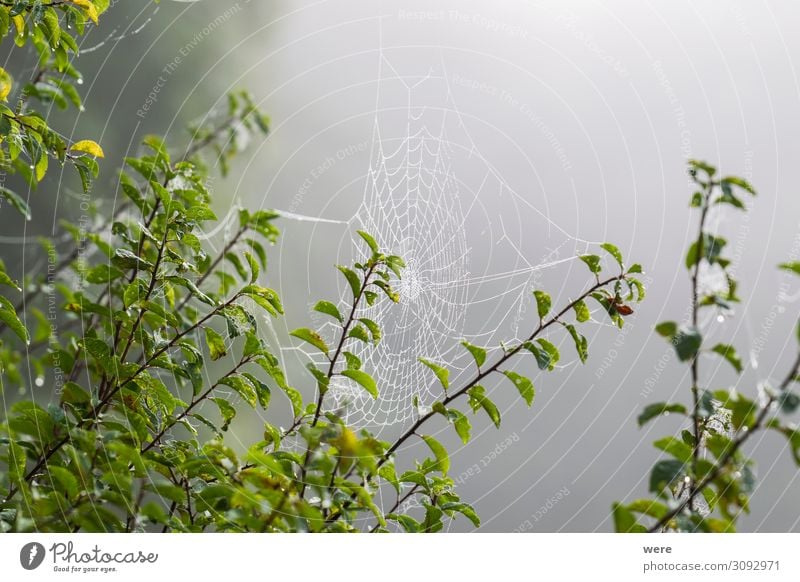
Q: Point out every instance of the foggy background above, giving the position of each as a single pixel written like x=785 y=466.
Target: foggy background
x=557 y=125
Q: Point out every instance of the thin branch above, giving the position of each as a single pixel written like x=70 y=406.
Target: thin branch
x=342 y=339
x=695 y=366
x=332 y=366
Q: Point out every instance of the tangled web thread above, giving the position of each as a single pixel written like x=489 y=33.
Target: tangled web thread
x=411 y=204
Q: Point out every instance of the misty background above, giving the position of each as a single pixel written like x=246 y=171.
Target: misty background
x=490 y=142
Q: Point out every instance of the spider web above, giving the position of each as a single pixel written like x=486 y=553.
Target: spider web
x=412 y=204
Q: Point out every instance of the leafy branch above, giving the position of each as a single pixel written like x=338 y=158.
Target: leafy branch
x=692 y=492
x=546 y=355
x=732 y=450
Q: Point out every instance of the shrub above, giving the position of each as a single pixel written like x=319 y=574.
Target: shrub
x=122 y=328
x=705 y=481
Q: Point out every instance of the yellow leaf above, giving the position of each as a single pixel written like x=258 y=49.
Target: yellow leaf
x=41 y=167
x=89 y=147
x=91 y=10
x=19 y=24
x=5 y=84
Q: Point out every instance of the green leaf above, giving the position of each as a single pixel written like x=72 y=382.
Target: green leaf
x=478 y=400
x=393 y=295
x=388 y=473
x=718 y=444
x=409 y=524
x=741 y=183
x=201 y=213
x=649 y=507
x=793 y=435
x=788 y=402
x=311 y=337
x=396 y=264
x=625 y=521
x=653 y=410
x=664 y=474
x=439 y=452
x=370 y=241
x=675 y=447
x=353 y=361
x=101 y=352
x=638 y=286
x=593 y=262
x=461 y=424
x=542 y=357
x=709 y=249
x=635 y=268
x=102 y=273
x=443 y=374
x=793 y=267
x=728 y=197
x=66 y=480
x=729 y=353
x=242 y=387
x=267 y=298
x=189 y=285
x=523 y=384
x=582 y=312
x=464 y=509
x=686 y=339
x=543 y=303
x=743 y=412
x=262 y=390
x=374 y=329
x=365 y=380
x=125 y=259
x=16 y=462
x=6 y=83
x=359 y=332
x=329 y=308
x=8 y=315
x=323 y=381
x=215 y=343
x=72 y=393
x=352 y=279
x=227 y=412
x=667 y=329
x=234 y=260
x=687 y=343
x=552 y=352
x=695 y=165
x=581 y=344
x=16 y=201
x=253 y=263
x=31 y=419
x=613 y=251
x=295 y=398
x=478 y=353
